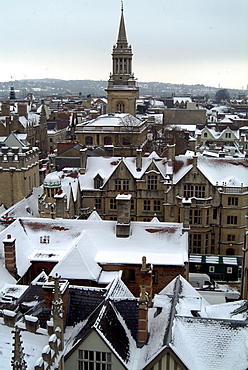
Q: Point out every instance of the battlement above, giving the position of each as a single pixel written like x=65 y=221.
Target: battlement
x=17 y=159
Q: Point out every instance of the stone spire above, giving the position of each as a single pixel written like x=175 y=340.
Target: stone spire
x=18 y=362
x=122 y=91
x=122 y=37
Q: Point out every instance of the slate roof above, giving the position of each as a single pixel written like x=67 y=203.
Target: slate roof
x=216 y=339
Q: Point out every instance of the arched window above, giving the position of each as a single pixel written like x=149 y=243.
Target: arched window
x=126 y=140
x=98 y=181
x=120 y=107
x=230 y=252
x=107 y=140
x=88 y=140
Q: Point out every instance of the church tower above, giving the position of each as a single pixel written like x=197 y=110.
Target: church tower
x=122 y=91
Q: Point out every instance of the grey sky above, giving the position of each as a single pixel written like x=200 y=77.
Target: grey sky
x=175 y=41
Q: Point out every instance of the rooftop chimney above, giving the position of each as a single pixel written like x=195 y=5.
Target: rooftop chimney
x=143 y=317
x=186 y=205
x=23 y=110
x=83 y=160
x=31 y=323
x=171 y=153
x=10 y=255
x=146 y=277
x=51 y=158
x=123 y=215
x=61 y=204
x=139 y=159
x=5 y=109
x=49 y=290
x=9 y=318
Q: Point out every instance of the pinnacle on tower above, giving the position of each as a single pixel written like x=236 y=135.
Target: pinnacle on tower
x=18 y=362
x=12 y=96
x=122 y=37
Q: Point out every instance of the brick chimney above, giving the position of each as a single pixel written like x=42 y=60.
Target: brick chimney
x=10 y=255
x=83 y=160
x=143 y=317
x=49 y=289
x=138 y=159
x=123 y=215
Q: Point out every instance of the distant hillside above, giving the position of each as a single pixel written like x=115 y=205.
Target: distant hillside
x=45 y=87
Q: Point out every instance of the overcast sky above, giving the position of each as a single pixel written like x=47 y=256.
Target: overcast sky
x=174 y=41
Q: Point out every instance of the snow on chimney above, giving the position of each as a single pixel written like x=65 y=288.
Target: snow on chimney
x=31 y=323
x=186 y=202
x=9 y=318
x=83 y=160
x=171 y=154
x=123 y=215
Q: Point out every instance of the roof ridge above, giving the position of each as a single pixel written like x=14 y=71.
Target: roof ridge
x=175 y=298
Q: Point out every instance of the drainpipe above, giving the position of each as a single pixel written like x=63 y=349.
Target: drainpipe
x=220 y=221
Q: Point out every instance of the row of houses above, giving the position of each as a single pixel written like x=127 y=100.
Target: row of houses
x=209 y=195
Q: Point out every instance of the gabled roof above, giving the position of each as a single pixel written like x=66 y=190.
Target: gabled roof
x=231 y=171
x=105 y=167
x=213 y=340
x=115 y=321
x=79 y=261
x=95 y=240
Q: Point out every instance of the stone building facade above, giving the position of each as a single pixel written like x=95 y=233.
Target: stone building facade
x=116 y=133
x=122 y=91
x=19 y=119
x=214 y=211
x=186 y=189
x=19 y=173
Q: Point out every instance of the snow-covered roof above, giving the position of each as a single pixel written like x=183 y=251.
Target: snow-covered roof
x=27 y=207
x=216 y=339
x=113 y=120
x=92 y=242
x=231 y=172
x=227 y=171
x=52 y=180
x=32 y=346
x=182 y=99
x=105 y=167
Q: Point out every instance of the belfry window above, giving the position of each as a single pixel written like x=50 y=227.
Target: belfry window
x=120 y=107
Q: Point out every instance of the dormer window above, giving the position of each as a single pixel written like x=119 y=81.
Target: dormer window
x=98 y=181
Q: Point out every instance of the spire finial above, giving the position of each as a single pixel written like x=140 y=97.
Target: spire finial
x=122 y=5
